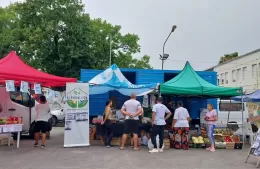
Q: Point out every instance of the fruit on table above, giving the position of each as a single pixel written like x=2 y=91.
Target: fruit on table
x=206 y=140
x=197 y=140
x=228 y=139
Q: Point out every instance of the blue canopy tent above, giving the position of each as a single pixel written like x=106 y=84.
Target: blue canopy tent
x=252 y=97
x=113 y=79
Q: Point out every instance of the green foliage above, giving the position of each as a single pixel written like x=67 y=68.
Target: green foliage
x=57 y=37
x=228 y=57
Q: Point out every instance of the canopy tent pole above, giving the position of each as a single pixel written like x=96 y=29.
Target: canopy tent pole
x=229 y=111
x=243 y=134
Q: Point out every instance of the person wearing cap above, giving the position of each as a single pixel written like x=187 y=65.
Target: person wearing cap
x=180 y=126
x=158 y=121
x=131 y=109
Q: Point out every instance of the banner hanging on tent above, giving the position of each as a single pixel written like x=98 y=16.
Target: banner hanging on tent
x=24 y=87
x=37 y=89
x=50 y=94
x=76 y=115
x=9 y=85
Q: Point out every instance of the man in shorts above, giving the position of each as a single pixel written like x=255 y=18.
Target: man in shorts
x=41 y=124
x=131 y=109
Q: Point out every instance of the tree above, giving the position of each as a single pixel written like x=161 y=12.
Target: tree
x=57 y=37
x=228 y=57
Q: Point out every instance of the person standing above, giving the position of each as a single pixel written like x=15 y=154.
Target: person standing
x=158 y=121
x=180 y=126
x=131 y=109
x=108 y=135
x=211 y=118
x=41 y=124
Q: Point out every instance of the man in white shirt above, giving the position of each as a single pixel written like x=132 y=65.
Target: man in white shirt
x=131 y=109
x=158 y=121
x=41 y=124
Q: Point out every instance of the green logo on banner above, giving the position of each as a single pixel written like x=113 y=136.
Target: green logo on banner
x=77 y=98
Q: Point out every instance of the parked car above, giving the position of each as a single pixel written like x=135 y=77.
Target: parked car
x=57 y=116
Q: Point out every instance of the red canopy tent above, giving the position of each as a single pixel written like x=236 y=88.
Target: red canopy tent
x=13 y=68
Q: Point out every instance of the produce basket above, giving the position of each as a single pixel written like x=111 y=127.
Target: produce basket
x=198 y=145
x=166 y=144
x=238 y=143
x=230 y=144
x=207 y=142
x=219 y=142
x=220 y=145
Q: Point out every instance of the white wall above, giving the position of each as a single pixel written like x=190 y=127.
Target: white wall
x=245 y=70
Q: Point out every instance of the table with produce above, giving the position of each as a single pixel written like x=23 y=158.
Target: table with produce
x=11 y=125
x=224 y=139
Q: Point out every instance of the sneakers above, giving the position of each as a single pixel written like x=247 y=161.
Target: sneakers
x=108 y=146
x=154 y=151
x=42 y=146
x=209 y=148
x=160 y=150
x=36 y=145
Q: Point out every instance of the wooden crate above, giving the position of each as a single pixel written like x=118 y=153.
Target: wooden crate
x=166 y=144
x=4 y=141
x=230 y=146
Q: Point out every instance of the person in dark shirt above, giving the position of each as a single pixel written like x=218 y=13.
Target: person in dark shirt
x=170 y=106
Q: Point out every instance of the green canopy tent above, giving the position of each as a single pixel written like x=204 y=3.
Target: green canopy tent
x=189 y=84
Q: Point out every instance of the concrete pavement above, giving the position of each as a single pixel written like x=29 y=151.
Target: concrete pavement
x=98 y=157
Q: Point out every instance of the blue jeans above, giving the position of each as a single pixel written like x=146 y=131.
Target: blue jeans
x=210 y=132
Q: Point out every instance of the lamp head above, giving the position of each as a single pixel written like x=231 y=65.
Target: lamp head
x=173 y=28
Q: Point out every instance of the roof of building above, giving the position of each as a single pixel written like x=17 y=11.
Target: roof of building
x=239 y=57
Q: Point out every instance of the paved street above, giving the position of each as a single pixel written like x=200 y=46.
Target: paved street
x=96 y=156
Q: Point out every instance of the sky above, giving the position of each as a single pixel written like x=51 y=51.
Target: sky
x=206 y=29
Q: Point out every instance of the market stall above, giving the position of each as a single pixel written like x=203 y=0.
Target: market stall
x=112 y=79
x=16 y=117
x=189 y=84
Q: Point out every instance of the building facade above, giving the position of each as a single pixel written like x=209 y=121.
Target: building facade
x=243 y=71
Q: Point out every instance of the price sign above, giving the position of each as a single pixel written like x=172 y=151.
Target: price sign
x=17 y=128
x=12 y=128
x=7 y=128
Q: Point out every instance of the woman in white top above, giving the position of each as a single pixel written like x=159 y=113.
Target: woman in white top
x=180 y=126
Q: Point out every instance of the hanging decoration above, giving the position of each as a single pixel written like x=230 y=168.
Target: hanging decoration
x=9 y=85
x=24 y=87
x=37 y=89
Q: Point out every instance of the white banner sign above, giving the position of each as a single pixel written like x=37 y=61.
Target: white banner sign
x=145 y=101
x=37 y=89
x=9 y=85
x=76 y=115
x=24 y=87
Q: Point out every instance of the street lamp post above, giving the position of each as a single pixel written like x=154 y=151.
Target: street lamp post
x=123 y=47
x=110 y=49
x=164 y=56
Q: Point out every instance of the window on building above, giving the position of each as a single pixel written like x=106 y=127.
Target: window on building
x=259 y=69
x=254 y=70
x=233 y=76
x=238 y=75
x=222 y=78
x=226 y=77
x=244 y=73
x=230 y=107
